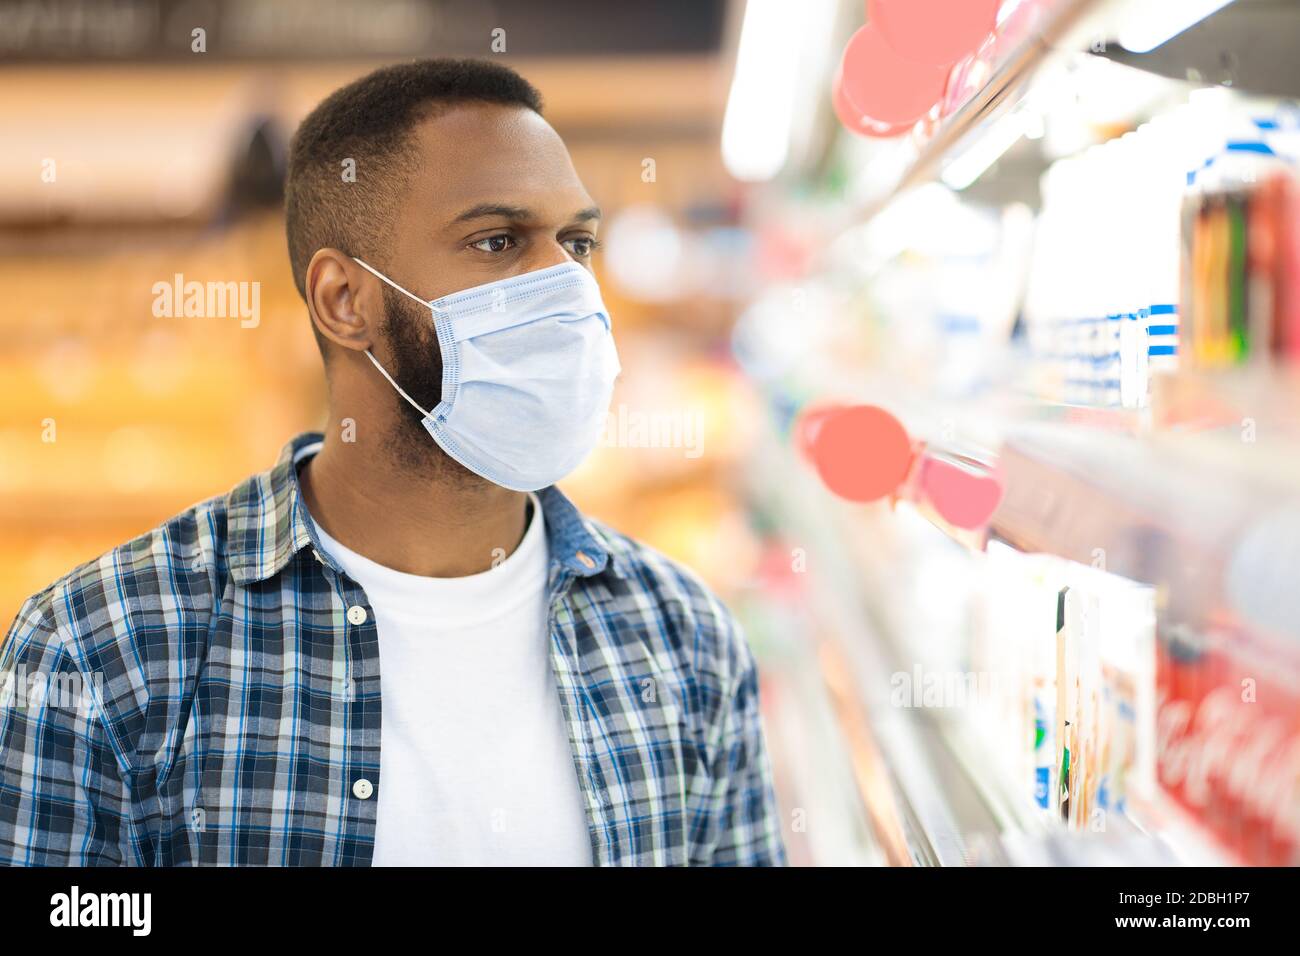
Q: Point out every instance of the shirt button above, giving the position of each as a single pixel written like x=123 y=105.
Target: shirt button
x=362 y=789
x=586 y=559
x=356 y=614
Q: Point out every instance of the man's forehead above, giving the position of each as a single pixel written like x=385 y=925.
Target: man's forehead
x=475 y=154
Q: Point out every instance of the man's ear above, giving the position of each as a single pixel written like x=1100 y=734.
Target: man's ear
x=345 y=301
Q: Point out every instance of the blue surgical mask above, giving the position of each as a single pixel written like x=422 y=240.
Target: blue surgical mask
x=528 y=368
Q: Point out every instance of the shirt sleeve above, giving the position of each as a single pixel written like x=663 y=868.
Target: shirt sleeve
x=749 y=828
x=63 y=800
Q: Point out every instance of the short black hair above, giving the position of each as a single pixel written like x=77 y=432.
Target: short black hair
x=370 y=122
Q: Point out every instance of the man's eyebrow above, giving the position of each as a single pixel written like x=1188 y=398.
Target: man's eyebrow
x=517 y=213
x=485 y=209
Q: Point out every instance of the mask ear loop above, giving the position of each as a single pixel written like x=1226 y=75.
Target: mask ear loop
x=374 y=361
x=379 y=275
x=400 y=390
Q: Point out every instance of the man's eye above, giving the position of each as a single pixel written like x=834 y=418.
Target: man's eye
x=583 y=246
x=494 y=243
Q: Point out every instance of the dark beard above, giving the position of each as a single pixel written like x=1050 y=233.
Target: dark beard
x=416 y=365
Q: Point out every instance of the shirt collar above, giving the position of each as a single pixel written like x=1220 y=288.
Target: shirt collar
x=269 y=524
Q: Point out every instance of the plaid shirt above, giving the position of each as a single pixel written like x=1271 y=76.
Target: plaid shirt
x=229 y=699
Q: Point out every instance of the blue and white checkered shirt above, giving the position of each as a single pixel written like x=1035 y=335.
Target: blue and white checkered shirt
x=208 y=694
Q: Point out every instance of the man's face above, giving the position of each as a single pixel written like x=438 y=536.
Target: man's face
x=494 y=195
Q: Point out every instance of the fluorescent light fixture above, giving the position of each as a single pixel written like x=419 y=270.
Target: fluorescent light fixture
x=760 y=107
x=1150 y=23
x=817 y=59
x=985 y=151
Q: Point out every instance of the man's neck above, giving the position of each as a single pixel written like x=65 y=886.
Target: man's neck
x=412 y=523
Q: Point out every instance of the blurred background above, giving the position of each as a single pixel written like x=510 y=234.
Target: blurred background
x=958 y=345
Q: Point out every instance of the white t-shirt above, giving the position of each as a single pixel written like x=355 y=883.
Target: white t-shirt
x=475 y=766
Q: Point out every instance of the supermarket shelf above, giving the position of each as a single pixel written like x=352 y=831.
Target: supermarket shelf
x=813 y=770
x=936 y=804
x=1158 y=831
x=1196 y=495
x=871 y=773
x=1073 y=492
x=1058 y=29
x=1170 y=513
x=1012 y=814
x=1248 y=45
x=969 y=539
x=1208 y=523
x=924 y=807
x=1174 y=496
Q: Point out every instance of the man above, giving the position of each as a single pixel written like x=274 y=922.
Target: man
x=403 y=644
